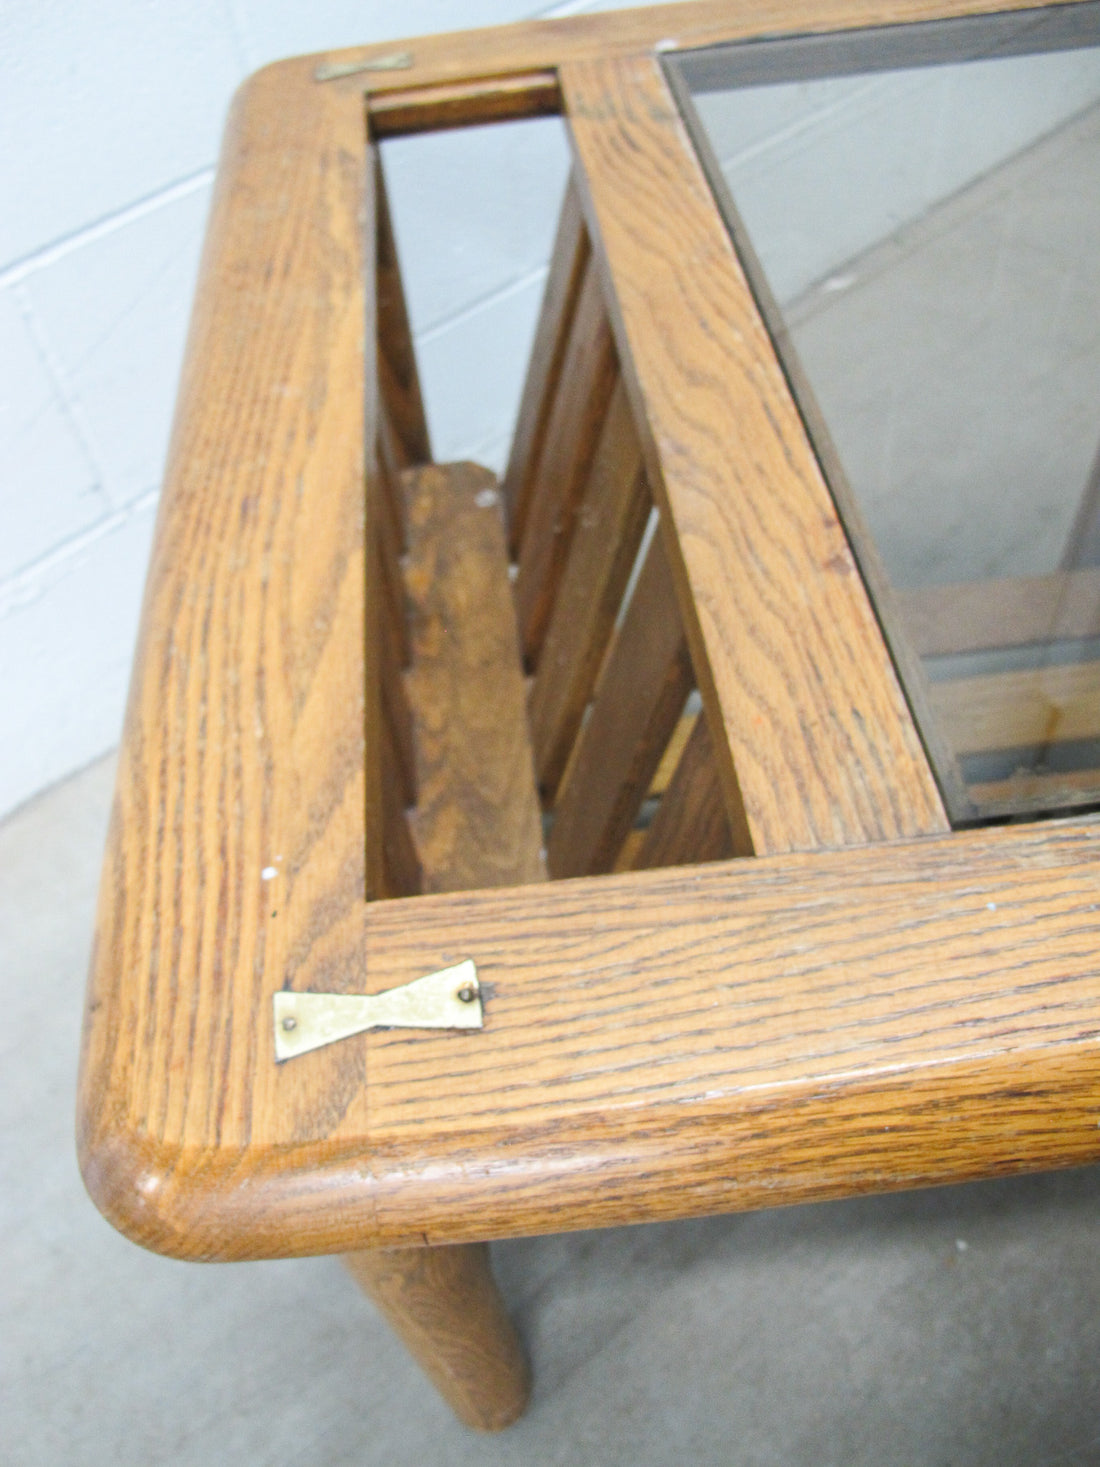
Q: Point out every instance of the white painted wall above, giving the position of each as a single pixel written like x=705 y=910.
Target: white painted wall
x=110 y=118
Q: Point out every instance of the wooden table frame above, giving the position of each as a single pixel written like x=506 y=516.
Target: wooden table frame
x=872 y=1001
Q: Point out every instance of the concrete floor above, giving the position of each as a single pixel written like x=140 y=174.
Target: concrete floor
x=954 y=1327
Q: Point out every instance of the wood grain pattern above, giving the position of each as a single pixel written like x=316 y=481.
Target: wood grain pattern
x=748 y=1033
x=785 y=1029
x=244 y=750
x=446 y=1308
x=559 y=302
x=608 y=531
x=691 y=823
x=397 y=370
x=477 y=822
x=639 y=698
x=581 y=398
x=660 y=1044
x=819 y=745
x=464 y=104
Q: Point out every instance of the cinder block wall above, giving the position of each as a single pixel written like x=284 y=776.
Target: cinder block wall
x=110 y=116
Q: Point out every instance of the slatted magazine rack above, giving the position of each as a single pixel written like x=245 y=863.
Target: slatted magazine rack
x=382 y=706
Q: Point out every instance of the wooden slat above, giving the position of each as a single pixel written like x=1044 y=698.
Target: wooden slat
x=559 y=302
x=670 y=759
x=397 y=371
x=691 y=823
x=627 y=859
x=819 y=742
x=393 y=608
x=404 y=875
x=389 y=467
x=397 y=713
x=580 y=403
x=1010 y=611
x=477 y=822
x=464 y=104
x=641 y=692
x=609 y=528
x=1008 y=710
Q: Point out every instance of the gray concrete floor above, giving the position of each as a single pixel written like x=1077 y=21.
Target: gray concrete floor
x=955 y=1328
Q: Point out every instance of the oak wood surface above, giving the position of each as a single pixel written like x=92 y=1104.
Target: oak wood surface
x=640 y=695
x=666 y=1043
x=581 y=397
x=446 y=1308
x=608 y=531
x=656 y=1044
x=691 y=823
x=477 y=821
x=238 y=844
x=563 y=282
x=819 y=745
x=752 y=1032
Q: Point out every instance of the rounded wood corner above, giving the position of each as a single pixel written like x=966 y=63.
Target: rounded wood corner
x=275 y=78
x=224 y=1206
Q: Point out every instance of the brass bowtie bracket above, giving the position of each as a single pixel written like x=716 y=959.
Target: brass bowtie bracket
x=449 y=999
x=395 y=61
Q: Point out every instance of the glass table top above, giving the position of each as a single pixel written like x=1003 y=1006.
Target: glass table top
x=918 y=212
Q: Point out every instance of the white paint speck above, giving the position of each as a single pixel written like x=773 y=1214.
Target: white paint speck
x=991 y=906
x=961 y=1244
x=268 y=873
x=485 y=498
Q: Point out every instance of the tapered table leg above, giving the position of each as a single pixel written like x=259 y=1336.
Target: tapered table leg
x=445 y=1305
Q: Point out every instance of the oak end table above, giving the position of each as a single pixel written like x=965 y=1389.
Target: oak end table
x=673 y=826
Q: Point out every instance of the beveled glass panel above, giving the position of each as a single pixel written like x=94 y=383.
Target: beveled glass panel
x=918 y=210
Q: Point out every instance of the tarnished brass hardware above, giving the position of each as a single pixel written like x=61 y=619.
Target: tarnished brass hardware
x=395 y=61
x=449 y=999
